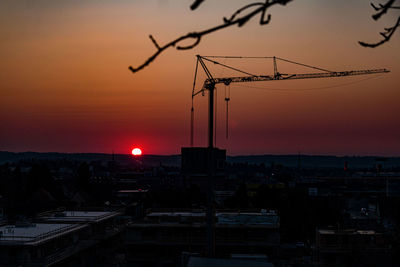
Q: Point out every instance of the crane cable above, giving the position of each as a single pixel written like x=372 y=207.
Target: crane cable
x=227 y=99
x=304 y=65
x=229 y=67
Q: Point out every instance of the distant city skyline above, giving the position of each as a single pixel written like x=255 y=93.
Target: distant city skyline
x=66 y=87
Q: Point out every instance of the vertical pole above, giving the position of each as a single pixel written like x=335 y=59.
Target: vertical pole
x=211 y=161
x=211 y=115
x=191 y=125
x=215 y=117
x=227 y=118
x=227 y=98
x=210 y=216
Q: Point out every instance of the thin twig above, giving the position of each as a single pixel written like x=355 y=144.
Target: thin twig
x=386 y=36
x=388 y=33
x=196 y=4
x=233 y=20
x=382 y=9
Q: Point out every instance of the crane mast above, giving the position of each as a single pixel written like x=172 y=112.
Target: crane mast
x=211 y=82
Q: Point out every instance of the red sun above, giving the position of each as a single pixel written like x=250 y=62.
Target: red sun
x=136 y=151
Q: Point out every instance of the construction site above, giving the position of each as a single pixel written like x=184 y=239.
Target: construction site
x=209 y=209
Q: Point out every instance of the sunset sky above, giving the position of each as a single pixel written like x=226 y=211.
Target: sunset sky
x=66 y=87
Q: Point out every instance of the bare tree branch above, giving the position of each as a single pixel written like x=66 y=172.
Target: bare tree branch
x=382 y=6
x=196 y=4
x=261 y=8
x=387 y=34
x=382 y=9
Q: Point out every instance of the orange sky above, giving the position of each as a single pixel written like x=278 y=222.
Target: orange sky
x=66 y=87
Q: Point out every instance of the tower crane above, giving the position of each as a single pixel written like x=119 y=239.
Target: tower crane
x=209 y=85
x=211 y=82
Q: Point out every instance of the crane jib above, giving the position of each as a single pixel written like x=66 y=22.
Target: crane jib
x=229 y=80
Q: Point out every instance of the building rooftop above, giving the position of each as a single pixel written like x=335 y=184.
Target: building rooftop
x=133 y=191
x=247 y=218
x=270 y=219
x=198 y=262
x=79 y=216
x=177 y=214
x=34 y=233
x=346 y=232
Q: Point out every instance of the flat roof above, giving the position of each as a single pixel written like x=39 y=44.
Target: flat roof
x=179 y=213
x=227 y=218
x=200 y=262
x=346 y=232
x=34 y=233
x=202 y=213
x=133 y=191
x=248 y=219
x=79 y=216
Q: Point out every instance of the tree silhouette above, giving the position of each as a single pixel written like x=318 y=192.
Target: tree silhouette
x=250 y=11
x=382 y=9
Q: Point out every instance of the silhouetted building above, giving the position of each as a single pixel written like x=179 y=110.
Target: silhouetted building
x=74 y=238
x=162 y=236
x=43 y=244
x=351 y=248
x=201 y=160
x=248 y=262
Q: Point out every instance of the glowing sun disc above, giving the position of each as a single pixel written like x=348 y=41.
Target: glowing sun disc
x=136 y=151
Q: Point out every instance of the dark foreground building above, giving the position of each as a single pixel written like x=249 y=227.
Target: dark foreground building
x=161 y=237
x=67 y=238
x=352 y=248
